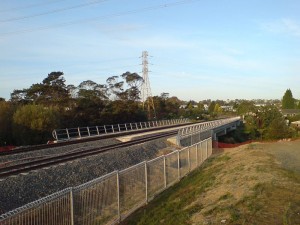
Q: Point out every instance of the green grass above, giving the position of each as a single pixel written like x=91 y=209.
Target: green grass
x=174 y=206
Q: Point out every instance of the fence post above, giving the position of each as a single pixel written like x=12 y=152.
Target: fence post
x=178 y=154
x=88 y=130
x=189 y=159
x=146 y=182
x=165 y=172
x=206 y=149
x=79 y=134
x=68 y=133
x=54 y=134
x=97 y=130
x=105 y=129
x=118 y=196
x=197 y=163
x=112 y=127
x=119 y=127
x=71 y=206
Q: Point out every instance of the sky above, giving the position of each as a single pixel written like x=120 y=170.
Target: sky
x=216 y=49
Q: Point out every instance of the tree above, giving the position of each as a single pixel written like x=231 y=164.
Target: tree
x=267 y=123
x=122 y=112
x=6 y=112
x=211 y=108
x=218 y=109
x=33 y=124
x=246 y=107
x=51 y=92
x=288 y=102
x=90 y=100
x=115 y=87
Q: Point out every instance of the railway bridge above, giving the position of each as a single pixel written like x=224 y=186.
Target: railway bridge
x=109 y=199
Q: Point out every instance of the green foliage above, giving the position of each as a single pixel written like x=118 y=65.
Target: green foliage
x=165 y=107
x=122 y=112
x=267 y=123
x=246 y=107
x=288 y=102
x=32 y=124
x=6 y=112
x=211 y=108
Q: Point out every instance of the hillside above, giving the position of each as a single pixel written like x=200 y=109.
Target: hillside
x=257 y=183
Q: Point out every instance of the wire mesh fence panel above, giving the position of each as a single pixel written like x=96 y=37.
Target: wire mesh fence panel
x=97 y=201
x=186 y=141
x=209 y=145
x=193 y=157
x=184 y=161
x=172 y=168
x=203 y=150
x=199 y=154
x=132 y=187
x=196 y=138
x=155 y=176
x=54 y=210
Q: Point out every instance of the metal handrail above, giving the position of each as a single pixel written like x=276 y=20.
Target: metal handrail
x=83 y=132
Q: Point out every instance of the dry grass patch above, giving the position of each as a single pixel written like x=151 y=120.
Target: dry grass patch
x=245 y=185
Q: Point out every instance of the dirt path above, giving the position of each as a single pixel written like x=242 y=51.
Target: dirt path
x=286 y=152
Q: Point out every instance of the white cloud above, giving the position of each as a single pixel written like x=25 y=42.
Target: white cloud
x=283 y=26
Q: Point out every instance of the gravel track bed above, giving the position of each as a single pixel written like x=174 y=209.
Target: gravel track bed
x=16 y=191
x=27 y=156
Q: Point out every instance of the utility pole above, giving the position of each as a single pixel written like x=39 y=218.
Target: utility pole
x=146 y=89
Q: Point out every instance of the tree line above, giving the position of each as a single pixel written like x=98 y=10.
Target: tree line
x=32 y=113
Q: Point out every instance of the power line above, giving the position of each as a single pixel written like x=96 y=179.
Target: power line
x=53 y=11
x=30 y=6
x=151 y=8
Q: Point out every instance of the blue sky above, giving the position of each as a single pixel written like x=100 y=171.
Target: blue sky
x=199 y=49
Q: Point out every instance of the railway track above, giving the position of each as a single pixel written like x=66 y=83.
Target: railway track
x=67 y=157
x=83 y=140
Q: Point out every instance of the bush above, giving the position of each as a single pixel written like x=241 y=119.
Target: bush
x=33 y=124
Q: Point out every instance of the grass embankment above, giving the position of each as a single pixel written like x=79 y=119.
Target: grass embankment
x=246 y=185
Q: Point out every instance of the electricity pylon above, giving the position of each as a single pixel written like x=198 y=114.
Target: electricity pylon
x=146 y=89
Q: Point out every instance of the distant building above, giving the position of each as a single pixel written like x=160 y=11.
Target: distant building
x=227 y=108
x=296 y=124
x=290 y=112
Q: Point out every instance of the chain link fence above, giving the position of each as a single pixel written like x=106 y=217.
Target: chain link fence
x=111 y=198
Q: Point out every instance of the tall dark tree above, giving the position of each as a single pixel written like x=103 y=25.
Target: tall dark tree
x=133 y=81
x=245 y=107
x=6 y=114
x=115 y=87
x=52 y=91
x=89 y=103
x=288 y=102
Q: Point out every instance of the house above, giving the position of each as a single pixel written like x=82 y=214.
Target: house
x=296 y=124
x=290 y=112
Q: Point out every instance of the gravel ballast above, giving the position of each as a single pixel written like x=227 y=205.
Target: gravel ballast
x=16 y=191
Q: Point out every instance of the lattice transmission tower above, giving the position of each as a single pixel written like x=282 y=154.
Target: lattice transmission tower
x=146 y=94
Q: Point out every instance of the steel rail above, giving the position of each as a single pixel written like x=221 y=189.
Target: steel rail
x=58 y=159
